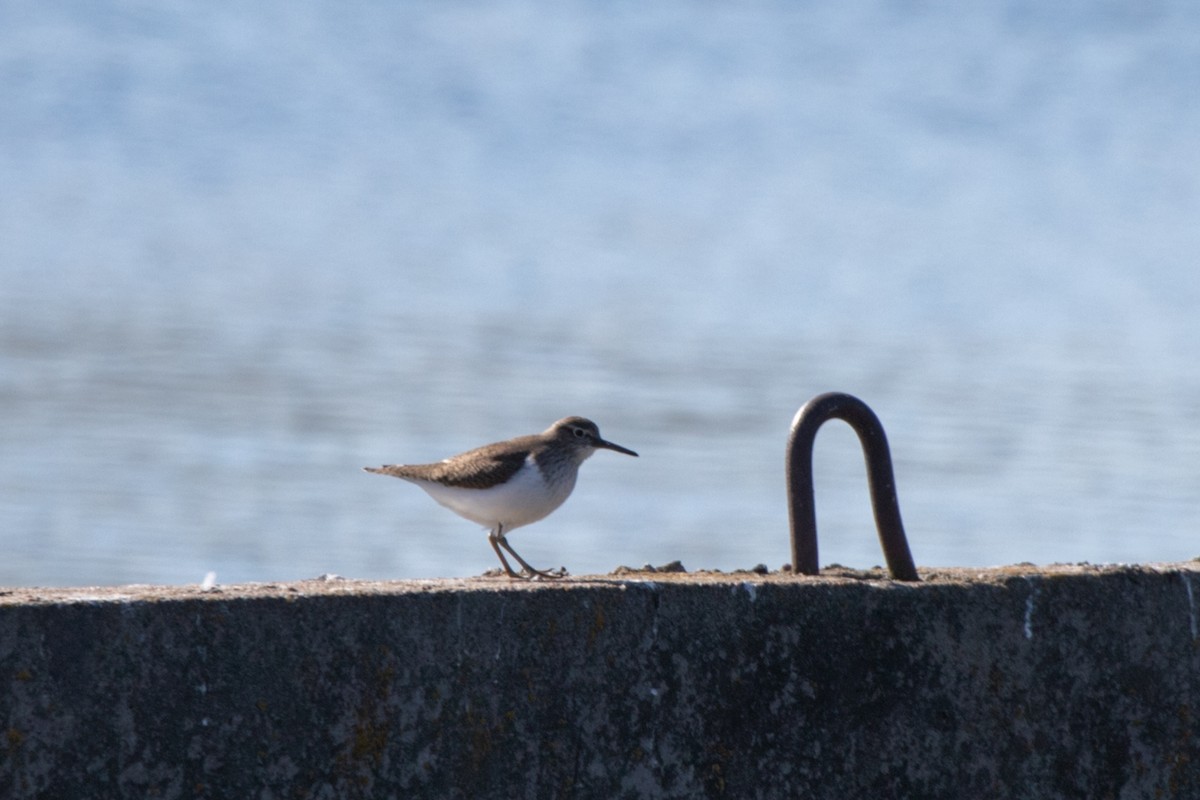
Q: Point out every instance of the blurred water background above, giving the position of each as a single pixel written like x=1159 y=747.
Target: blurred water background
x=246 y=249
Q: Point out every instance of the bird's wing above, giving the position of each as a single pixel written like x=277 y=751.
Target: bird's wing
x=483 y=469
x=478 y=469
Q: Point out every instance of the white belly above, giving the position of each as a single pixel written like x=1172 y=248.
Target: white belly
x=524 y=499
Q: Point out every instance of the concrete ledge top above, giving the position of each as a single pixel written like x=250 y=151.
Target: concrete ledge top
x=623 y=577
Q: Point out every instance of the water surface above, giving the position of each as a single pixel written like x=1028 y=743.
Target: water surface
x=246 y=250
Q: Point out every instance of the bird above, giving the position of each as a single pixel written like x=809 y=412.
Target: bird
x=508 y=484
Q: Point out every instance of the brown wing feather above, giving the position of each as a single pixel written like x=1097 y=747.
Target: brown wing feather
x=477 y=469
x=482 y=470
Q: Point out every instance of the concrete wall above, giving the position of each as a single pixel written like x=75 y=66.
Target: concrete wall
x=1067 y=682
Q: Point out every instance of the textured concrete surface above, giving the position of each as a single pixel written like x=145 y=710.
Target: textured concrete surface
x=1072 y=682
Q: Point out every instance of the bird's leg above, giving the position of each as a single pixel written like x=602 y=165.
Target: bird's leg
x=497 y=535
x=532 y=572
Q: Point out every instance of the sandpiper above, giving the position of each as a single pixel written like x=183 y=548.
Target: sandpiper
x=508 y=484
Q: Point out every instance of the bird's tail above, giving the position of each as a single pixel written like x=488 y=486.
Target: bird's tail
x=387 y=469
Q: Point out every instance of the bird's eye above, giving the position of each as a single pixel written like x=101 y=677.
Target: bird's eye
x=579 y=434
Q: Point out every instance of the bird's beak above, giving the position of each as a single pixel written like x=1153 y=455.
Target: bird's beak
x=598 y=442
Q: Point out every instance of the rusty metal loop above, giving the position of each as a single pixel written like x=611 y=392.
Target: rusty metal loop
x=802 y=511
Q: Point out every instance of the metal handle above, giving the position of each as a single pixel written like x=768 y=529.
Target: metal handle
x=802 y=510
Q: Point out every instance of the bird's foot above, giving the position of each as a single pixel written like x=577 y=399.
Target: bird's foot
x=531 y=574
